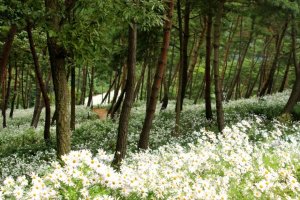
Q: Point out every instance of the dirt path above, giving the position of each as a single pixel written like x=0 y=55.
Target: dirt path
x=101 y=112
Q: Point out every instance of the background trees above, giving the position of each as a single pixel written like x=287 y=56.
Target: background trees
x=60 y=52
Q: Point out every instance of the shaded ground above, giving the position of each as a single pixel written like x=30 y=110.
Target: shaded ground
x=101 y=112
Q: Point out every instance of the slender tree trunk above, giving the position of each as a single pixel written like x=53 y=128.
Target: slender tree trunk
x=194 y=57
x=35 y=118
x=142 y=88
x=195 y=51
x=90 y=99
x=185 y=41
x=144 y=136
x=27 y=89
x=116 y=102
x=241 y=60
x=200 y=90
x=73 y=98
x=6 y=51
x=138 y=85
x=167 y=83
x=22 y=88
x=286 y=74
x=116 y=107
x=129 y=98
x=218 y=86
x=180 y=94
x=3 y=63
x=107 y=95
x=83 y=88
x=149 y=77
x=264 y=64
x=226 y=79
x=208 y=111
x=78 y=85
x=12 y=107
x=232 y=32
x=41 y=86
x=267 y=87
x=6 y=97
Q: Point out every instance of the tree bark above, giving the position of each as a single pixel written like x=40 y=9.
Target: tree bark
x=73 y=98
x=57 y=55
x=6 y=98
x=129 y=98
x=267 y=87
x=41 y=86
x=138 y=85
x=241 y=60
x=208 y=111
x=12 y=107
x=180 y=94
x=90 y=99
x=295 y=94
x=151 y=107
x=167 y=83
x=83 y=86
x=195 y=56
x=149 y=77
x=3 y=63
x=228 y=45
x=286 y=74
x=36 y=115
x=107 y=95
x=218 y=87
x=185 y=41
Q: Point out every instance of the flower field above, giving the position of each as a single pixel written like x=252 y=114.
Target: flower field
x=256 y=157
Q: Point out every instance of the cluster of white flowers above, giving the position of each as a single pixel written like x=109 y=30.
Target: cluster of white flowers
x=217 y=166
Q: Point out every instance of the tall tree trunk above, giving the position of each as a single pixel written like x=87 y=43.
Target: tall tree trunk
x=35 y=118
x=138 y=85
x=267 y=87
x=129 y=98
x=3 y=63
x=83 y=86
x=264 y=63
x=73 y=97
x=12 y=107
x=57 y=55
x=286 y=74
x=6 y=98
x=167 y=83
x=149 y=77
x=194 y=57
x=218 y=86
x=185 y=41
x=41 y=86
x=91 y=93
x=196 y=48
x=295 y=94
x=144 y=136
x=107 y=95
x=27 y=89
x=232 y=32
x=241 y=60
x=208 y=111
x=180 y=94
x=117 y=99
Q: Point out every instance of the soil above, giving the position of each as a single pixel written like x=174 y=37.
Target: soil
x=101 y=112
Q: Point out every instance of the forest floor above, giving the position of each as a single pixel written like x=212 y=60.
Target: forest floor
x=101 y=113
x=256 y=157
